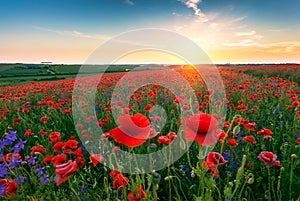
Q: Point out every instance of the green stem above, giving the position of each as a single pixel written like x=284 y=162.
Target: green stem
x=269 y=185
x=291 y=180
x=278 y=185
x=240 y=195
x=154 y=192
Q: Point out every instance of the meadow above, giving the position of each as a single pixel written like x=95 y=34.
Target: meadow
x=248 y=148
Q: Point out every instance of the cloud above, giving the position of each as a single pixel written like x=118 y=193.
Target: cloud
x=285 y=47
x=73 y=33
x=238 y=19
x=177 y=14
x=243 y=43
x=278 y=30
x=250 y=33
x=194 y=5
x=129 y=2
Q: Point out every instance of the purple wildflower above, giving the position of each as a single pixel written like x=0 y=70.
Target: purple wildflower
x=40 y=171
x=20 y=179
x=2 y=146
x=12 y=136
x=14 y=162
x=45 y=179
x=3 y=170
x=18 y=146
x=7 y=142
x=31 y=160
x=2 y=190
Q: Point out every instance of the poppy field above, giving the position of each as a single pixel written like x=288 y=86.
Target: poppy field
x=57 y=143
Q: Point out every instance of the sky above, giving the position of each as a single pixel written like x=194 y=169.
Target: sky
x=229 y=31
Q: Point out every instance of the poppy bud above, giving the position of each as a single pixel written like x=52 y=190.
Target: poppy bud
x=155 y=178
x=293 y=156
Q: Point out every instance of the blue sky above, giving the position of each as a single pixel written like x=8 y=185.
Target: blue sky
x=65 y=31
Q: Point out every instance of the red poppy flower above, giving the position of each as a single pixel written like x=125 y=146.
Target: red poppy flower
x=133 y=131
x=148 y=108
x=96 y=159
x=222 y=135
x=120 y=181
x=269 y=159
x=265 y=131
x=212 y=162
x=78 y=152
x=137 y=194
x=37 y=149
x=28 y=133
x=10 y=186
x=215 y=158
x=298 y=140
x=79 y=126
x=42 y=132
x=54 y=137
x=80 y=162
x=226 y=124
x=114 y=173
x=201 y=128
x=232 y=142
x=59 y=159
x=249 y=138
x=70 y=144
x=250 y=126
x=44 y=119
x=63 y=171
x=47 y=160
x=58 y=146
x=167 y=139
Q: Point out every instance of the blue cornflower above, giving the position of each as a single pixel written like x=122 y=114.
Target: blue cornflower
x=14 y=162
x=239 y=135
x=45 y=179
x=21 y=144
x=231 y=165
x=20 y=179
x=31 y=160
x=3 y=170
x=12 y=136
x=18 y=146
x=7 y=142
x=2 y=146
x=83 y=189
x=40 y=171
x=227 y=155
x=2 y=190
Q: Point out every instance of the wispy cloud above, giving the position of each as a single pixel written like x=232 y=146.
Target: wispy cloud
x=285 y=47
x=73 y=33
x=249 y=33
x=243 y=43
x=278 y=30
x=197 y=11
x=177 y=14
x=129 y=2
